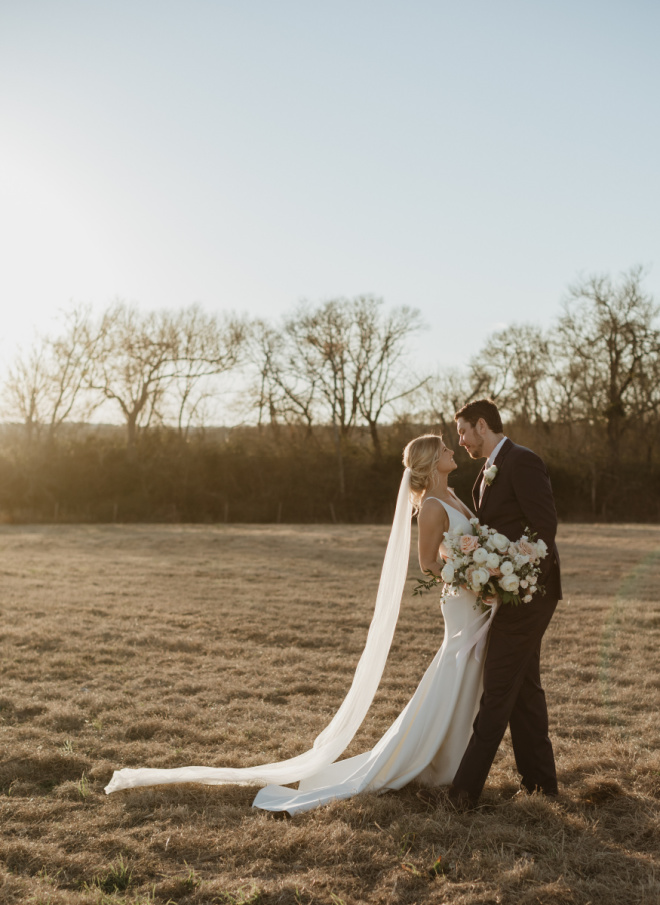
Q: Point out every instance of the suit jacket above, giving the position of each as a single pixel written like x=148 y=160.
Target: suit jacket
x=521 y=497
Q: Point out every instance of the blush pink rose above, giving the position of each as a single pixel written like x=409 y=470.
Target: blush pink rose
x=468 y=543
x=495 y=573
x=528 y=549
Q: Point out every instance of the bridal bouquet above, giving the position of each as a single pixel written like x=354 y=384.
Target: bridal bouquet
x=491 y=565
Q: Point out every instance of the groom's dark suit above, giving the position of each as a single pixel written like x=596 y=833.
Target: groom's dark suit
x=520 y=497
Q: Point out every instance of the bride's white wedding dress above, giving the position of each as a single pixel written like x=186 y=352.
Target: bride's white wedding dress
x=425 y=743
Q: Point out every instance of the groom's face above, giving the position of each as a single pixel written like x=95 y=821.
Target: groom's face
x=470 y=438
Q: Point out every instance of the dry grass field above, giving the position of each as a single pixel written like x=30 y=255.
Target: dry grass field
x=234 y=645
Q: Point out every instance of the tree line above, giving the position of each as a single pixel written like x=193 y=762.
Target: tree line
x=321 y=404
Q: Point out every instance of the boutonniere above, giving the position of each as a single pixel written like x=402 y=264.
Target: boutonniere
x=490 y=474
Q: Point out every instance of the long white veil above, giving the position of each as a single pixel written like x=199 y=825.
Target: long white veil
x=336 y=737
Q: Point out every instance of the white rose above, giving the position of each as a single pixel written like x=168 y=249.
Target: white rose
x=490 y=545
x=527 y=598
x=520 y=560
x=479 y=579
x=474 y=521
x=523 y=583
x=509 y=583
x=501 y=542
x=447 y=573
x=532 y=579
x=480 y=556
x=542 y=547
x=507 y=568
x=492 y=561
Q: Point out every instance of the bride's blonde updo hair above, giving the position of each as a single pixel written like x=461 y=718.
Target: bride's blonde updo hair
x=421 y=456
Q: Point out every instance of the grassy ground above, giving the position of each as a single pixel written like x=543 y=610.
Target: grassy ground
x=234 y=645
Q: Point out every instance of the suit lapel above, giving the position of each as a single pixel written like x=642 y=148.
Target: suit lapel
x=475 y=489
x=499 y=458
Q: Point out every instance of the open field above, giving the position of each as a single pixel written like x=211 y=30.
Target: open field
x=234 y=645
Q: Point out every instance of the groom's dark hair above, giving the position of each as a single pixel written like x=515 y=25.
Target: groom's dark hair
x=481 y=408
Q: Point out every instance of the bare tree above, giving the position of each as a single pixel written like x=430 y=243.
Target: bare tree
x=135 y=362
x=343 y=362
x=513 y=369
x=26 y=388
x=282 y=390
x=644 y=404
x=317 y=353
x=378 y=355
x=47 y=385
x=156 y=366
x=443 y=394
x=206 y=347
x=607 y=343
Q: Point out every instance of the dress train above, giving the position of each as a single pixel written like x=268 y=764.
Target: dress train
x=427 y=740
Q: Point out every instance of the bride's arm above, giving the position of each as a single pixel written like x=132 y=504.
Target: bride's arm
x=432 y=521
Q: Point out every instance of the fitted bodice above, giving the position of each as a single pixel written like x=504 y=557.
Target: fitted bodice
x=456 y=520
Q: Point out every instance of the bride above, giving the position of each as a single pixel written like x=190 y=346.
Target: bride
x=427 y=740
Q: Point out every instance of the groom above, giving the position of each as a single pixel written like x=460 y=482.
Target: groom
x=513 y=495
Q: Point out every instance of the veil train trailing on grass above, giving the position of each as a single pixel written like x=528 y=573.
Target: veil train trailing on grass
x=426 y=741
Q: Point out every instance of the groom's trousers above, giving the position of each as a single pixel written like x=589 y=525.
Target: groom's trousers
x=512 y=696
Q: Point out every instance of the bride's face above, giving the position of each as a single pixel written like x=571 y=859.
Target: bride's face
x=470 y=438
x=446 y=462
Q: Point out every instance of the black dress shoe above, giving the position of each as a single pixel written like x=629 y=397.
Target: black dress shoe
x=525 y=795
x=547 y=793
x=461 y=800
x=451 y=798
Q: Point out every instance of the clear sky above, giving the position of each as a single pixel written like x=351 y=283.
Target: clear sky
x=469 y=159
